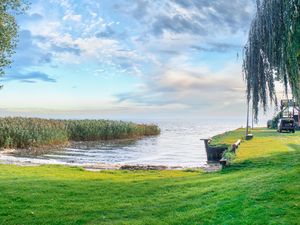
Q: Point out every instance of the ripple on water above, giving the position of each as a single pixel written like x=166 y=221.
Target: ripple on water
x=178 y=145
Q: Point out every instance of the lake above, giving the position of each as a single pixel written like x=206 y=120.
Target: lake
x=178 y=144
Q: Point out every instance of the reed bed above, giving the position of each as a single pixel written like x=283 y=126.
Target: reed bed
x=93 y=130
x=24 y=133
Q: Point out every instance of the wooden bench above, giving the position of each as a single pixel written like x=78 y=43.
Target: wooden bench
x=225 y=162
x=235 y=146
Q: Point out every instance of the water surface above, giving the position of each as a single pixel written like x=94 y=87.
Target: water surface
x=178 y=144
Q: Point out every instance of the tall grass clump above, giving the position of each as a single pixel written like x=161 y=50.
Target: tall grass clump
x=92 y=130
x=25 y=133
x=29 y=132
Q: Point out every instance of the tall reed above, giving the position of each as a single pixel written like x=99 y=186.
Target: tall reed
x=92 y=130
x=24 y=133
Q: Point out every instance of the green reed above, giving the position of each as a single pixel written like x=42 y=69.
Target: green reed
x=92 y=130
x=22 y=133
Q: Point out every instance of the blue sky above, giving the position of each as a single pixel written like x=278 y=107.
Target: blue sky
x=129 y=59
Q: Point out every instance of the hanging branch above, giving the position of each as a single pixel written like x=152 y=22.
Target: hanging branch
x=272 y=52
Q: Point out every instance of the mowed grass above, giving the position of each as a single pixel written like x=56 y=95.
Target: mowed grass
x=266 y=142
x=261 y=187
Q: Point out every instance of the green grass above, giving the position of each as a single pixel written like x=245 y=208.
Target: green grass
x=227 y=138
x=261 y=187
x=32 y=132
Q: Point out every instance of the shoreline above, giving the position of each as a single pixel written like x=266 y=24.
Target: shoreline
x=36 y=151
x=7 y=158
x=30 y=157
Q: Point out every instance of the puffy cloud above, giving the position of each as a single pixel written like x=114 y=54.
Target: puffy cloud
x=196 y=87
x=168 y=28
x=175 y=48
x=196 y=17
x=73 y=17
x=162 y=30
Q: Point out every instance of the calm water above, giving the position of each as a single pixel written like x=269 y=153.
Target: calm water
x=178 y=145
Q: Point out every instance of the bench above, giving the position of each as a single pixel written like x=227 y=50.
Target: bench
x=225 y=162
x=235 y=146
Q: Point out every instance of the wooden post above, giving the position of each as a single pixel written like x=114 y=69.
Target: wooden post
x=252 y=118
x=247 y=126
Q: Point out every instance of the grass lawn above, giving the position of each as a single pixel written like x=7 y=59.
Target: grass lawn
x=261 y=187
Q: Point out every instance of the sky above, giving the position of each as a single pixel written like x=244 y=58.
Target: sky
x=129 y=59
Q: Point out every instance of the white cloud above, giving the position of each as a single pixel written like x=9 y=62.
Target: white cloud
x=153 y=41
x=72 y=17
x=196 y=87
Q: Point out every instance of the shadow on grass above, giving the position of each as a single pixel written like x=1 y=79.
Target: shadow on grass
x=294 y=146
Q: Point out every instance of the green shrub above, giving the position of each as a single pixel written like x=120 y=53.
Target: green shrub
x=229 y=155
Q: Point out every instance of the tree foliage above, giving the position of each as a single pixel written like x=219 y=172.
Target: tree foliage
x=272 y=52
x=9 y=29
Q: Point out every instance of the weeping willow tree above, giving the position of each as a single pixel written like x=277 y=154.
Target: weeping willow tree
x=272 y=52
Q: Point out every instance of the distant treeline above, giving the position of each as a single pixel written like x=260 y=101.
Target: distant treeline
x=24 y=133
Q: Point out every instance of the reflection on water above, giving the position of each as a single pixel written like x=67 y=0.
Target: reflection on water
x=178 y=145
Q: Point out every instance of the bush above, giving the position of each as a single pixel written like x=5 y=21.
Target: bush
x=229 y=155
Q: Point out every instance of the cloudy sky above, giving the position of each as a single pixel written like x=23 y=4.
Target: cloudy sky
x=129 y=59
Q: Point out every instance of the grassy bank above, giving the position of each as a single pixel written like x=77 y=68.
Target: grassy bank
x=32 y=132
x=261 y=187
